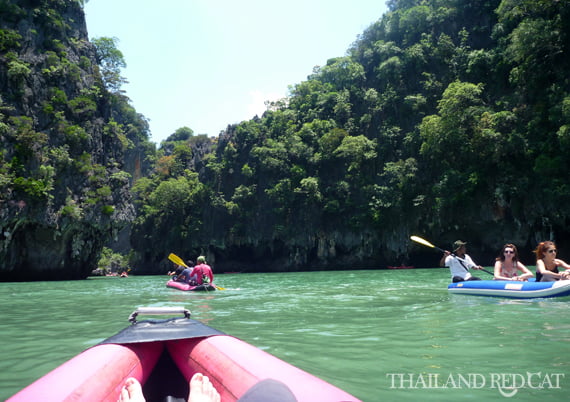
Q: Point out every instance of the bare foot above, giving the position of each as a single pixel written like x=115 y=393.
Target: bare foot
x=132 y=391
x=202 y=390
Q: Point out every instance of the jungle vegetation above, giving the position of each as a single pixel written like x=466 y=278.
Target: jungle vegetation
x=447 y=117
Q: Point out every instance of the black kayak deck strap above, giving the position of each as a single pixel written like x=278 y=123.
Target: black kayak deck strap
x=162 y=330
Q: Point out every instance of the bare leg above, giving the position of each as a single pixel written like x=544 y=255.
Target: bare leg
x=202 y=390
x=132 y=391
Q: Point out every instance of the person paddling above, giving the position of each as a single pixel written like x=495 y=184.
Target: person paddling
x=459 y=263
x=186 y=274
x=177 y=271
x=202 y=273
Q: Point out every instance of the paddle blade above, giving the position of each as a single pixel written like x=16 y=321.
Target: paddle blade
x=422 y=241
x=177 y=260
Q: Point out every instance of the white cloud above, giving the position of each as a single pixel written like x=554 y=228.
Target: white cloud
x=258 y=98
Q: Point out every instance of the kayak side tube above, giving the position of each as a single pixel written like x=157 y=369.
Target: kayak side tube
x=208 y=287
x=234 y=366
x=512 y=289
x=97 y=374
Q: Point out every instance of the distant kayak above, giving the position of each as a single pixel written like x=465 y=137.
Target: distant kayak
x=207 y=287
x=512 y=289
x=401 y=267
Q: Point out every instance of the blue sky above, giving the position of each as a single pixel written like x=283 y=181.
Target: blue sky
x=205 y=64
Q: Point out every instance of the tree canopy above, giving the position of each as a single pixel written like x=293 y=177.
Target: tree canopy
x=445 y=116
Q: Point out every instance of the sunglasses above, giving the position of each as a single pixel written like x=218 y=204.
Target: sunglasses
x=509 y=252
x=552 y=251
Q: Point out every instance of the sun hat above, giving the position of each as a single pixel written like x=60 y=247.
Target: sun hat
x=458 y=244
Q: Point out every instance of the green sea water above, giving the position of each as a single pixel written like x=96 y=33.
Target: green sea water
x=384 y=335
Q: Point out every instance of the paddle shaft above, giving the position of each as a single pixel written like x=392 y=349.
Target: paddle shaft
x=462 y=260
x=426 y=243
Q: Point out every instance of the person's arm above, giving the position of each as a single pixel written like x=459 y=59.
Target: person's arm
x=443 y=258
x=497 y=273
x=563 y=264
x=210 y=274
x=470 y=264
x=526 y=274
x=549 y=274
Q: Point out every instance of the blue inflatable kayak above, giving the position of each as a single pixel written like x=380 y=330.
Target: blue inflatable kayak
x=512 y=289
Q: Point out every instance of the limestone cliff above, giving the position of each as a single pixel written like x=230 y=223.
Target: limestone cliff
x=64 y=191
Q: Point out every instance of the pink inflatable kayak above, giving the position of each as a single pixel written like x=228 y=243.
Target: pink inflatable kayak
x=163 y=355
x=208 y=287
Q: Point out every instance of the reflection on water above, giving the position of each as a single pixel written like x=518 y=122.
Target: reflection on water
x=354 y=329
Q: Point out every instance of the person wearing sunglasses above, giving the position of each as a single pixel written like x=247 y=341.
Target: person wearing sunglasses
x=547 y=264
x=508 y=267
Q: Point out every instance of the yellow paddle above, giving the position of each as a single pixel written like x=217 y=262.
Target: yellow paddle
x=418 y=239
x=179 y=261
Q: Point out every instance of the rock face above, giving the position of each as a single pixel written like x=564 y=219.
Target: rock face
x=64 y=191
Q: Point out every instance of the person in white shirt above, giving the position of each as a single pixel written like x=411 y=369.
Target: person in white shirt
x=459 y=263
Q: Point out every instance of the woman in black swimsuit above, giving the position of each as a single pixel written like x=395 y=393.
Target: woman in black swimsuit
x=547 y=264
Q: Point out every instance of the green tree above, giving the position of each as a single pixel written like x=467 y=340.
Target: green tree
x=357 y=152
x=181 y=134
x=111 y=262
x=111 y=61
